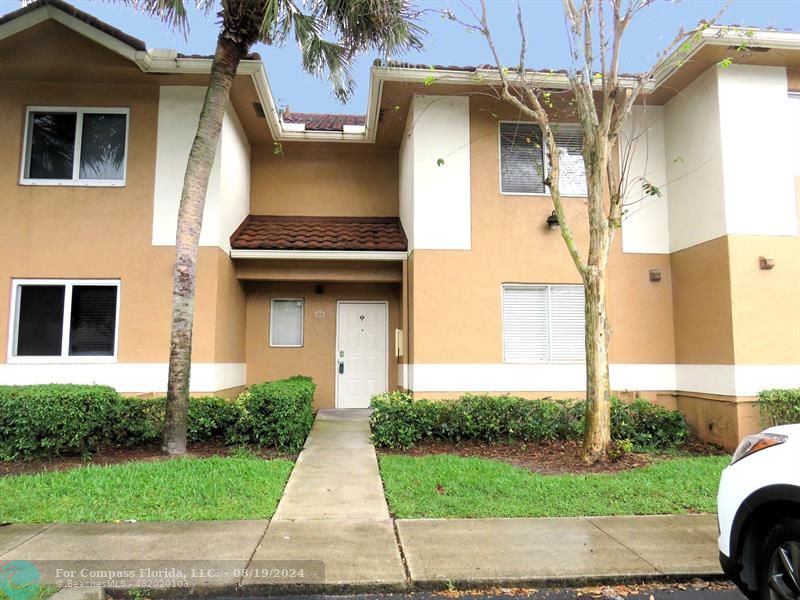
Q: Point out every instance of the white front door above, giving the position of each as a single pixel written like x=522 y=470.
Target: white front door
x=361 y=354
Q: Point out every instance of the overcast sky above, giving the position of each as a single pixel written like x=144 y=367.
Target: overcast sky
x=448 y=43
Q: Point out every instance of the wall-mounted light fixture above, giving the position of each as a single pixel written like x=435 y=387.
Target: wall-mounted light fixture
x=552 y=220
x=766 y=263
x=655 y=275
x=319 y=289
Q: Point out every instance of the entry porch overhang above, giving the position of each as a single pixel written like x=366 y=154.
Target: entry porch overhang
x=301 y=248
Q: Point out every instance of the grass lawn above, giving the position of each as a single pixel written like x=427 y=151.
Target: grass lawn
x=451 y=487
x=184 y=489
x=39 y=592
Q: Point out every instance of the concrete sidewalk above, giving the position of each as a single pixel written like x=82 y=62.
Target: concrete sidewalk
x=259 y=557
x=332 y=532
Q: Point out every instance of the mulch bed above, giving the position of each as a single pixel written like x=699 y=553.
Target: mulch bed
x=549 y=458
x=111 y=456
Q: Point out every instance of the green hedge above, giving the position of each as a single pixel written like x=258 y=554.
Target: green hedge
x=779 y=407
x=279 y=413
x=40 y=421
x=398 y=421
x=48 y=420
x=139 y=421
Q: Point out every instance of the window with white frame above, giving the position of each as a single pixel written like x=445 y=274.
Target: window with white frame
x=543 y=323
x=286 y=322
x=63 y=319
x=523 y=168
x=75 y=146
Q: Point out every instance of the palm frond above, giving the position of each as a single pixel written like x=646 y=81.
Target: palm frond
x=171 y=12
x=386 y=25
x=355 y=25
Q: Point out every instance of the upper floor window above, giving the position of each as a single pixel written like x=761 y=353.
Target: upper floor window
x=75 y=146
x=543 y=323
x=523 y=168
x=56 y=319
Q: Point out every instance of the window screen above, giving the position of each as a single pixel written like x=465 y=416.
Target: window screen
x=521 y=158
x=95 y=139
x=52 y=145
x=103 y=146
x=543 y=323
x=523 y=168
x=572 y=177
x=286 y=322
x=93 y=320
x=40 y=320
x=67 y=318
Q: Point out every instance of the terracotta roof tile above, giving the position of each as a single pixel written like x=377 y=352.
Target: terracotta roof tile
x=323 y=121
x=263 y=232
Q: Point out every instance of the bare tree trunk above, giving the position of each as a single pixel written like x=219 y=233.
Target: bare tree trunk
x=190 y=221
x=597 y=436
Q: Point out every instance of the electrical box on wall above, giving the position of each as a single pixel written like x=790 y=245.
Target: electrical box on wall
x=398 y=343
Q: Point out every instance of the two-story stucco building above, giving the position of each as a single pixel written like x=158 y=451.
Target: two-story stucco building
x=408 y=248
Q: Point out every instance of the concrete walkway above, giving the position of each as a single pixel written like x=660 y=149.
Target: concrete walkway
x=334 y=511
x=332 y=533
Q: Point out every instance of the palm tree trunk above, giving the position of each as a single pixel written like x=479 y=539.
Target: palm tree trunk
x=190 y=221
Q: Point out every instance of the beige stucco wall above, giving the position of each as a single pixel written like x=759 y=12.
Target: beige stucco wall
x=730 y=311
x=325 y=179
x=765 y=303
x=98 y=232
x=702 y=303
x=317 y=357
x=461 y=321
x=721 y=420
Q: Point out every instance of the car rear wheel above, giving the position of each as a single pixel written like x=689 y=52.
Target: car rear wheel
x=780 y=566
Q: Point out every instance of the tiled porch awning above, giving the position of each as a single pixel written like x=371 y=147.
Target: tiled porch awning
x=263 y=232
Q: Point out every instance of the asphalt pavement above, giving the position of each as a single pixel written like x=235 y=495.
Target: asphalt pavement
x=696 y=590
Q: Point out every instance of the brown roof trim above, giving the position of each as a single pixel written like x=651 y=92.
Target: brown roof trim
x=274 y=232
x=396 y=64
x=315 y=219
x=250 y=56
x=123 y=37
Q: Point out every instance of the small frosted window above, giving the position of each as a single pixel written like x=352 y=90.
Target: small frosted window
x=286 y=323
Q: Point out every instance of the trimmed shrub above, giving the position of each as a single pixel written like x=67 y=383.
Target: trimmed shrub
x=398 y=421
x=140 y=421
x=779 y=407
x=211 y=417
x=54 y=419
x=40 y=421
x=137 y=422
x=279 y=413
x=646 y=425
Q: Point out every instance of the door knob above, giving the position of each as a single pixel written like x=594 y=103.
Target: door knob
x=341 y=367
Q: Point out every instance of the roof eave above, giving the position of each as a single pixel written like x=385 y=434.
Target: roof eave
x=361 y=255
x=52 y=12
x=156 y=61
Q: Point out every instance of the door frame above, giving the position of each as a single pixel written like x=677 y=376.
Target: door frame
x=336 y=344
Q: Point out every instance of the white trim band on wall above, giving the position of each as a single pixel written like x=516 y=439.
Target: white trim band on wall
x=125 y=377
x=726 y=380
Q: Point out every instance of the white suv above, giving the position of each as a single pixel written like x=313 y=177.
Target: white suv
x=759 y=515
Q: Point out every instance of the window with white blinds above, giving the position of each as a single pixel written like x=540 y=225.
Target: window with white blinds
x=523 y=168
x=543 y=323
x=64 y=319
